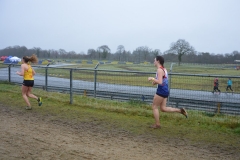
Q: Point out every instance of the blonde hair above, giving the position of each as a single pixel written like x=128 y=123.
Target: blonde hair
x=32 y=59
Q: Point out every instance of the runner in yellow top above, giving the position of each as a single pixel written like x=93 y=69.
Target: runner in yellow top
x=28 y=79
x=28 y=74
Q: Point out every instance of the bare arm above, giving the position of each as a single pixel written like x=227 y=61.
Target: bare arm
x=159 y=79
x=33 y=72
x=21 y=73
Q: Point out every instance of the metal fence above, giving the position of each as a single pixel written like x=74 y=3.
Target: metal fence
x=192 y=91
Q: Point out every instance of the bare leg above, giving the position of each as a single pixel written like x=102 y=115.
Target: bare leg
x=24 y=95
x=155 y=105
x=160 y=101
x=164 y=108
x=29 y=94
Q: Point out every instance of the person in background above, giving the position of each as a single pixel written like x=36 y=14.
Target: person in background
x=28 y=80
x=162 y=93
x=229 y=85
x=215 y=87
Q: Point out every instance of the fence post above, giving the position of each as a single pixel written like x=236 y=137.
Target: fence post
x=218 y=107
x=170 y=80
x=46 y=79
x=95 y=80
x=169 y=85
x=9 y=73
x=71 y=99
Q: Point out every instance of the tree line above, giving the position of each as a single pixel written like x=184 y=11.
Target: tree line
x=180 y=51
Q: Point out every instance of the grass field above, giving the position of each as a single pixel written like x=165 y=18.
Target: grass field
x=203 y=83
x=200 y=83
x=219 y=69
x=133 y=115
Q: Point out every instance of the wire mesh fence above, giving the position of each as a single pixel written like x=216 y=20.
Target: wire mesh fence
x=195 y=92
x=191 y=91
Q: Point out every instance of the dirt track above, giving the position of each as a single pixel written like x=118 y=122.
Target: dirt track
x=27 y=135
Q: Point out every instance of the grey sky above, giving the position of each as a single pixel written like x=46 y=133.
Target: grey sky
x=78 y=25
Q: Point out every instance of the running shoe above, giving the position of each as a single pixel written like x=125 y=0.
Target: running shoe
x=155 y=126
x=184 y=112
x=39 y=101
x=28 y=108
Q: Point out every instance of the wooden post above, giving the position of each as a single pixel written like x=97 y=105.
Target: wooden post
x=218 y=107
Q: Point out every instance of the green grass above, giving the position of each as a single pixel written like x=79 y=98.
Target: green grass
x=177 y=82
x=133 y=116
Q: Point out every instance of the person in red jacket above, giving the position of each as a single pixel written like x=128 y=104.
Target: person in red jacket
x=215 y=87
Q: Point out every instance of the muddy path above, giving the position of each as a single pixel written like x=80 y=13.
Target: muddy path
x=28 y=135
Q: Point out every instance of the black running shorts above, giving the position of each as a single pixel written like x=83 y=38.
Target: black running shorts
x=28 y=83
x=164 y=96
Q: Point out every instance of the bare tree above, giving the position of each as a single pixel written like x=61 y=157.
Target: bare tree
x=37 y=49
x=48 y=53
x=181 y=47
x=156 y=52
x=142 y=51
x=72 y=54
x=104 y=49
x=92 y=53
x=54 y=53
x=120 y=50
x=236 y=55
x=62 y=53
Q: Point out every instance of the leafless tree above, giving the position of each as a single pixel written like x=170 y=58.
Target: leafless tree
x=92 y=53
x=120 y=51
x=156 y=52
x=104 y=50
x=38 y=50
x=142 y=53
x=181 y=47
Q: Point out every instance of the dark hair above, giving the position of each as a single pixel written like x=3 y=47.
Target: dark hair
x=160 y=59
x=32 y=59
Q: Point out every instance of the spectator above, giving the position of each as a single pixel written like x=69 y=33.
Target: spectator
x=216 y=84
x=229 y=85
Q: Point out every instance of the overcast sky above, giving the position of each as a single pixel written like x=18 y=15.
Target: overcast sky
x=78 y=25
